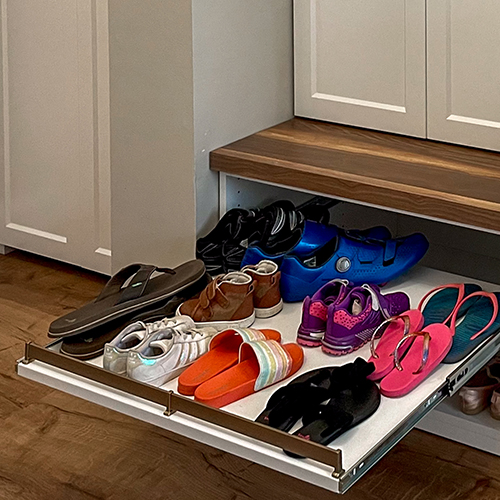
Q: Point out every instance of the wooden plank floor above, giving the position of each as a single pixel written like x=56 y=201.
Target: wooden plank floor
x=428 y=178
x=55 y=446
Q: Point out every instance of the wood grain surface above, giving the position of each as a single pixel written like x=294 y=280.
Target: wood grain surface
x=426 y=178
x=58 y=447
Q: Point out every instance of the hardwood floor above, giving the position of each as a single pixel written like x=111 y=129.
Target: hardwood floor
x=55 y=446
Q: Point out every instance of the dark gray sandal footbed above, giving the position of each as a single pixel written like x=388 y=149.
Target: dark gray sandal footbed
x=91 y=344
x=116 y=301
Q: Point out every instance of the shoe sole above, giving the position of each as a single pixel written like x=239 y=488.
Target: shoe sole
x=308 y=343
x=162 y=379
x=341 y=352
x=268 y=312
x=82 y=356
x=309 y=338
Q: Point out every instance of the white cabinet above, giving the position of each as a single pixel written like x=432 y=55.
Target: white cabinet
x=464 y=72
x=362 y=63
x=427 y=70
x=54 y=169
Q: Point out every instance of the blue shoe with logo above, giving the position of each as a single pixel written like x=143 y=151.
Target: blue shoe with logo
x=312 y=237
x=350 y=258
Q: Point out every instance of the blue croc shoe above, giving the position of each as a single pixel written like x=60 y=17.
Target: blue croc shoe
x=354 y=259
x=310 y=238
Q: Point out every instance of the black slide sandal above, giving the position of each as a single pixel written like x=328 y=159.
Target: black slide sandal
x=116 y=301
x=288 y=404
x=344 y=411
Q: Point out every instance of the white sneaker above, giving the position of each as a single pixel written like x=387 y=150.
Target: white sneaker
x=132 y=337
x=167 y=353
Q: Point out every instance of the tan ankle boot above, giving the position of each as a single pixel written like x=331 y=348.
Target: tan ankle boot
x=227 y=302
x=267 y=298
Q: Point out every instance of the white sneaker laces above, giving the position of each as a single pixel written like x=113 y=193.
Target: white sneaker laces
x=162 y=324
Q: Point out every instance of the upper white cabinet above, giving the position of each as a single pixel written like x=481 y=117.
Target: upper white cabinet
x=464 y=72
x=402 y=66
x=55 y=166
x=362 y=63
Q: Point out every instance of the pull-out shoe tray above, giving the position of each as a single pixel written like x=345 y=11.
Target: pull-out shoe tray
x=232 y=429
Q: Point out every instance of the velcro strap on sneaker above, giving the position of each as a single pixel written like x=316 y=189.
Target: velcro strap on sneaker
x=274 y=362
x=212 y=292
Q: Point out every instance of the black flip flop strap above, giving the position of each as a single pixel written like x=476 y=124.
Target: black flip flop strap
x=349 y=376
x=138 y=284
x=140 y=274
x=329 y=413
x=302 y=391
x=114 y=285
x=295 y=405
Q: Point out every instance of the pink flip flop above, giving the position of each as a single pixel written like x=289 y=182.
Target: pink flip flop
x=396 y=328
x=429 y=348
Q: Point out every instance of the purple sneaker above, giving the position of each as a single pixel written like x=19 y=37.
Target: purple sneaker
x=351 y=322
x=314 y=312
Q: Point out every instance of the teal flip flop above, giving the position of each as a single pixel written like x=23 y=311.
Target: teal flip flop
x=439 y=304
x=480 y=322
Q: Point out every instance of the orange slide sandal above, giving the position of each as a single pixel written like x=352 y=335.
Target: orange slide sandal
x=261 y=363
x=223 y=354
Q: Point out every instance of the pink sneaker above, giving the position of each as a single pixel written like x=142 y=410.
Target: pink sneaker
x=314 y=312
x=352 y=322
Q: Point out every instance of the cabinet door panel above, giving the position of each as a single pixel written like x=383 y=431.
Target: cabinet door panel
x=55 y=170
x=362 y=63
x=464 y=72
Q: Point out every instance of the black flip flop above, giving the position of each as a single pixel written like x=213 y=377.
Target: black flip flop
x=288 y=404
x=91 y=344
x=143 y=291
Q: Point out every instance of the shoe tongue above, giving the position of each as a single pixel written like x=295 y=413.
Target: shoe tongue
x=359 y=297
x=132 y=339
x=179 y=322
x=165 y=344
x=358 y=302
x=236 y=278
x=331 y=291
x=266 y=267
x=357 y=307
x=183 y=321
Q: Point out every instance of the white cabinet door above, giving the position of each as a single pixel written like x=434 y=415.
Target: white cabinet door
x=54 y=175
x=464 y=72
x=362 y=63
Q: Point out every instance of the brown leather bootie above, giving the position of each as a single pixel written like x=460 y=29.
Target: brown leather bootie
x=266 y=298
x=227 y=302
